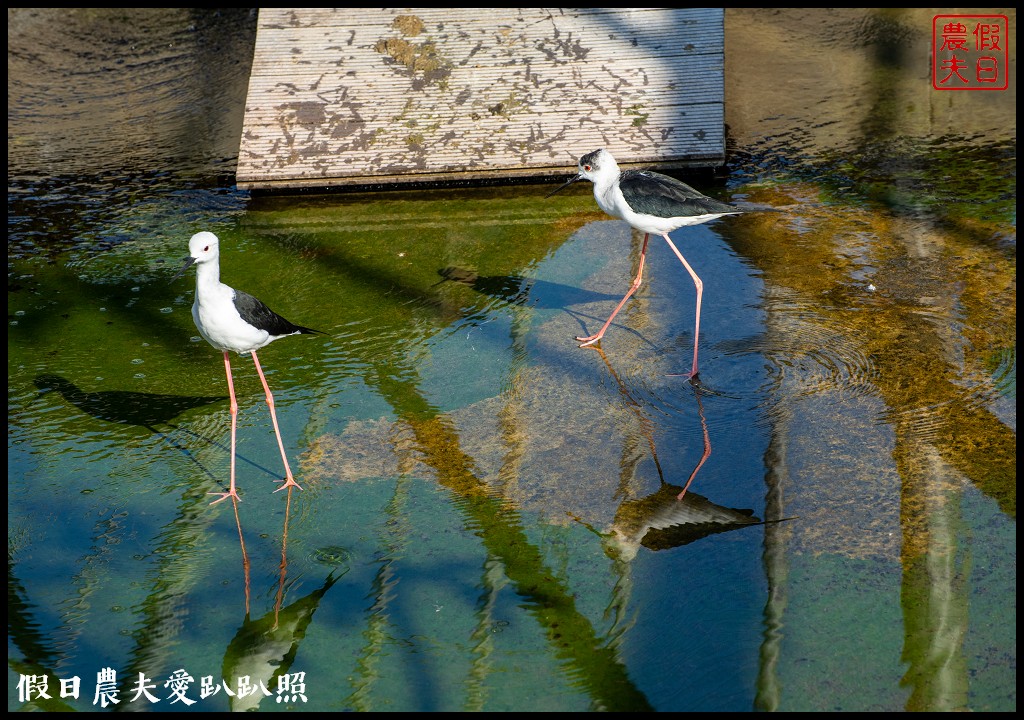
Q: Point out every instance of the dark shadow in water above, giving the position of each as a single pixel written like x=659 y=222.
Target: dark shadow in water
x=519 y=290
x=534 y=293
x=146 y=410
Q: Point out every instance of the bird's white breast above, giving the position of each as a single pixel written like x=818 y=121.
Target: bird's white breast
x=609 y=198
x=220 y=324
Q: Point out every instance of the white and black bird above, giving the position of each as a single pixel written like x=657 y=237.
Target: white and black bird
x=232 y=320
x=651 y=203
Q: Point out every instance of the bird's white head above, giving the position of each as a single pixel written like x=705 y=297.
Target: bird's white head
x=203 y=247
x=598 y=167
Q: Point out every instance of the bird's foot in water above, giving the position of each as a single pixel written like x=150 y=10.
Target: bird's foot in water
x=586 y=341
x=287 y=483
x=232 y=493
x=692 y=376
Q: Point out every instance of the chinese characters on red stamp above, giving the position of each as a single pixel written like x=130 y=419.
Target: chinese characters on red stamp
x=970 y=52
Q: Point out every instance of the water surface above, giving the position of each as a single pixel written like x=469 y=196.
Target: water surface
x=489 y=515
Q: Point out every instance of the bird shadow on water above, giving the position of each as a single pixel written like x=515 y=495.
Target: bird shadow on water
x=521 y=290
x=145 y=410
x=534 y=293
x=125 y=407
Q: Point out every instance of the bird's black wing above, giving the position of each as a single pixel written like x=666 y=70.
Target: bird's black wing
x=255 y=312
x=652 y=193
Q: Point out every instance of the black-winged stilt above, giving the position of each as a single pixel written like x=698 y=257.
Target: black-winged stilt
x=232 y=320
x=651 y=203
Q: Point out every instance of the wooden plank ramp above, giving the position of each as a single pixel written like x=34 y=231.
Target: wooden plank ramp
x=355 y=98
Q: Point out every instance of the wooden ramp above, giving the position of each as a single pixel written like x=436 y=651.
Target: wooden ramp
x=349 y=98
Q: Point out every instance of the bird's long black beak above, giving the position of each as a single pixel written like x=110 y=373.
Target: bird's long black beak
x=568 y=182
x=189 y=262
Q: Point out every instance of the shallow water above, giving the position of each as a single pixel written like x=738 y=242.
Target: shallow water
x=488 y=517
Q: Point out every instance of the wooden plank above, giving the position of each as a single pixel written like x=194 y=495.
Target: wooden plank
x=355 y=97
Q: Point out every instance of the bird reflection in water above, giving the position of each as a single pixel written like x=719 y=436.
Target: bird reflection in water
x=661 y=521
x=672 y=516
x=284 y=557
x=262 y=651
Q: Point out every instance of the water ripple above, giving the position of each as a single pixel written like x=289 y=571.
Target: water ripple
x=996 y=393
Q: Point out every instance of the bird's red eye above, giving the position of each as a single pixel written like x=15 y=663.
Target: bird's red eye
x=587 y=168
x=206 y=249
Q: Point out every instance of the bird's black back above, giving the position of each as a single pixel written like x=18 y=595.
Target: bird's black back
x=255 y=312
x=651 y=193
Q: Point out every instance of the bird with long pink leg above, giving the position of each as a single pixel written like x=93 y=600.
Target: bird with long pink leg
x=234 y=321
x=651 y=203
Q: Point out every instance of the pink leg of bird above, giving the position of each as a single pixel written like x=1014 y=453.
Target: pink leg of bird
x=632 y=289
x=707 y=446
x=700 y=291
x=233 y=491
x=289 y=481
